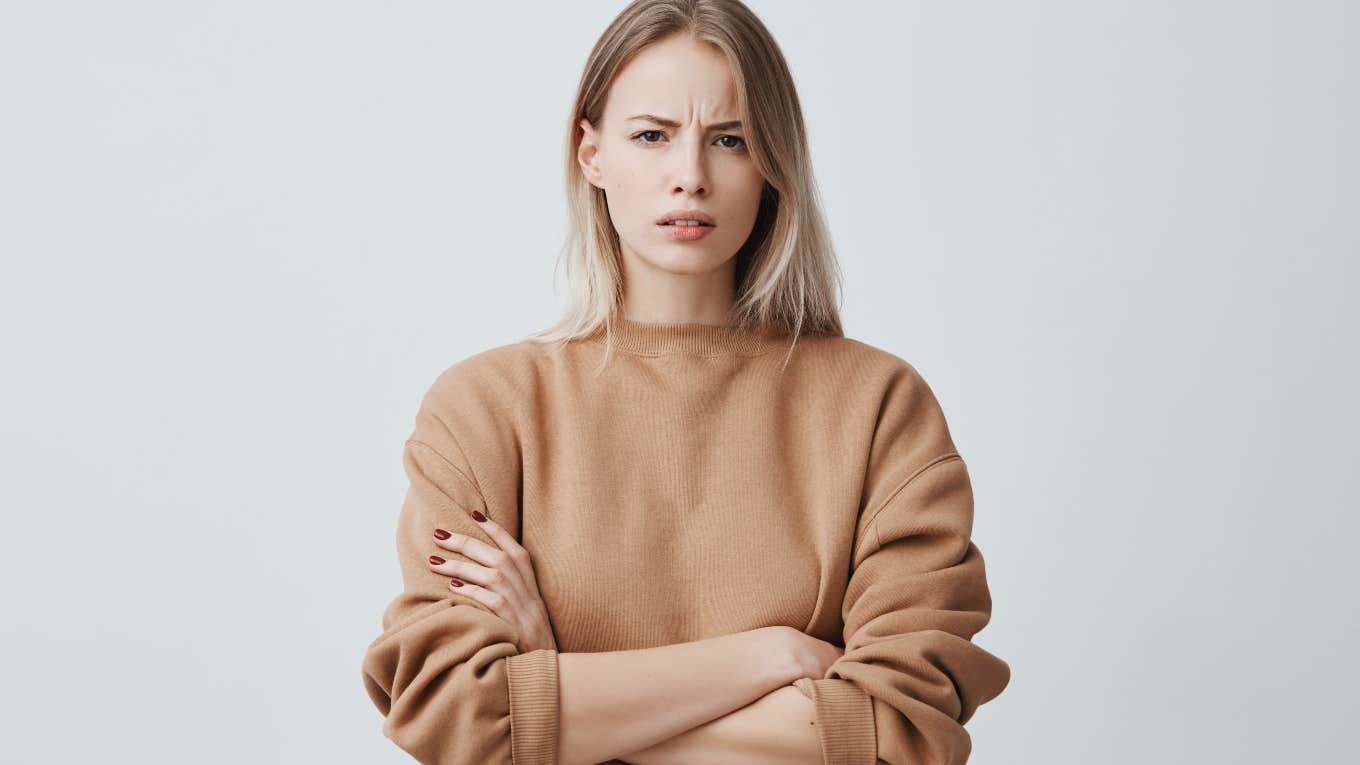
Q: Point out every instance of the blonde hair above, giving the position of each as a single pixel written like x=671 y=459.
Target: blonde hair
x=787 y=277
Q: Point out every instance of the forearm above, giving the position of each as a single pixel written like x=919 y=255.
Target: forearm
x=616 y=702
x=777 y=729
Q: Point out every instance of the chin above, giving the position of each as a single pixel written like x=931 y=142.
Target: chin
x=684 y=259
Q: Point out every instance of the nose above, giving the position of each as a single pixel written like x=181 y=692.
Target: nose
x=691 y=176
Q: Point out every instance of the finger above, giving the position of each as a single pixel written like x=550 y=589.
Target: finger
x=488 y=586
x=472 y=547
x=487 y=578
x=485 y=554
x=497 y=603
x=506 y=541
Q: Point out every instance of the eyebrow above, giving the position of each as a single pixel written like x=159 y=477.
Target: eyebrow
x=730 y=124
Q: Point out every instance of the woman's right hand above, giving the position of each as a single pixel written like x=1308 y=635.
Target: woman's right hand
x=810 y=656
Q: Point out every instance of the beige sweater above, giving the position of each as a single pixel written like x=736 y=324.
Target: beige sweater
x=689 y=489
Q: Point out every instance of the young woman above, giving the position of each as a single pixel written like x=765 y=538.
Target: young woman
x=692 y=522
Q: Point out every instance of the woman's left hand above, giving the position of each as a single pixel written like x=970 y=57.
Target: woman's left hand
x=501 y=578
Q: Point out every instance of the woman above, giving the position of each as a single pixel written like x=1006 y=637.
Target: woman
x=645 y=535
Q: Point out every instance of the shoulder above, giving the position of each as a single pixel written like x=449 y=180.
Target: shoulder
x=479 y=391
x=501 y=373
x=866 y=369
x=909 y=424
x=471 y=411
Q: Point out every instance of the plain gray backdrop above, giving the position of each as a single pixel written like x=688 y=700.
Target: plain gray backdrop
x=241 y=239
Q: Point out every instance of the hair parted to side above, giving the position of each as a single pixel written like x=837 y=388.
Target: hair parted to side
x=787 y=277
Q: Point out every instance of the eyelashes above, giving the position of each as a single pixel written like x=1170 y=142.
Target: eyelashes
x=637 y=138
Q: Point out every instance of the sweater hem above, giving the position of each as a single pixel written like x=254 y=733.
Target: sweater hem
x=531 y=680
x=845 y=722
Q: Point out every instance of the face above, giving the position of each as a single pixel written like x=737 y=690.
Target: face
x=670 y=139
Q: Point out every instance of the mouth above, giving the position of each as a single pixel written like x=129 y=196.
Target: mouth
x=686 y=217
x=684 y=229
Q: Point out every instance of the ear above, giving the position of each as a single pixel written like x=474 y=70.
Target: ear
x=587 y=154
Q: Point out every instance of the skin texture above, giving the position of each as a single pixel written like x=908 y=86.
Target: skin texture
x=779 y=727
x=725 y=699
x=646 y=170
x=501 y=578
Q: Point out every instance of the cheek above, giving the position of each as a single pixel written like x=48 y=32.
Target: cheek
x=628 y=171
x=751 y=183
x=625 y=182
x=755 y=180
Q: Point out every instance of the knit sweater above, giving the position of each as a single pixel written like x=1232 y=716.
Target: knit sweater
x=693 y=486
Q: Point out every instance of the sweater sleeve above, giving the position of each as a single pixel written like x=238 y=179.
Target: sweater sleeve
x=916 y=594
x=910 y=676
x=446 y=672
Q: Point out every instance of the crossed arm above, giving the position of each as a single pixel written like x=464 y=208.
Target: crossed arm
x=724 y=699
x=777 y=728
x=463 y=677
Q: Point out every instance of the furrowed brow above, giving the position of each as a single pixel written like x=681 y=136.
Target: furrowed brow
x=662 y=121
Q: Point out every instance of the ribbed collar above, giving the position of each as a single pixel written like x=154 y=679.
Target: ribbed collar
x=650 y=338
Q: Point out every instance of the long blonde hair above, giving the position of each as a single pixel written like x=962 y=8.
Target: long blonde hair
x=787 y=276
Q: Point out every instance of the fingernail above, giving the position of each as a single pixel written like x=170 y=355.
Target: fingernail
x=441 y=534
x=436 y=560
x=455 y=583
x=478 y=517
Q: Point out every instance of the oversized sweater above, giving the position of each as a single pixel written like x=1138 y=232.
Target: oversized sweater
x=693 y=486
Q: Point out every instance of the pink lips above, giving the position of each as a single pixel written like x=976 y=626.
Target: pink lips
x=681 y=213
x=683 y=232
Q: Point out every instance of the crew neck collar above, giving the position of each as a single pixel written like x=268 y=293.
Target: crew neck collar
x=657 y=338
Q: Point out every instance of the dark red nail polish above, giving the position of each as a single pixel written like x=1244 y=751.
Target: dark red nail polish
x=455 y=583
x=441 y=534
x=478 y=517
x=436 y=560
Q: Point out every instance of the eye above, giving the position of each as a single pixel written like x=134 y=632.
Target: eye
x=741 y=145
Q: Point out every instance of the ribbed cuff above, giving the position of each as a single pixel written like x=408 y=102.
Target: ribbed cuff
x=532 y=680
x=845 y=722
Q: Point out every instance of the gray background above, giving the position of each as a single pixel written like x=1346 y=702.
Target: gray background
x=241 y=239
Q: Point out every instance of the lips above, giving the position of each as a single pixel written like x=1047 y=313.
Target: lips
x=702 y=217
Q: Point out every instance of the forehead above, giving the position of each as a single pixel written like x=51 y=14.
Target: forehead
x=674 y=78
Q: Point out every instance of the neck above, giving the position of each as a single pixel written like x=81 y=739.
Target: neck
x=656 y=338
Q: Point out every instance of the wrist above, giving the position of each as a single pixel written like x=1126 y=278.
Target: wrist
x=776 y=655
